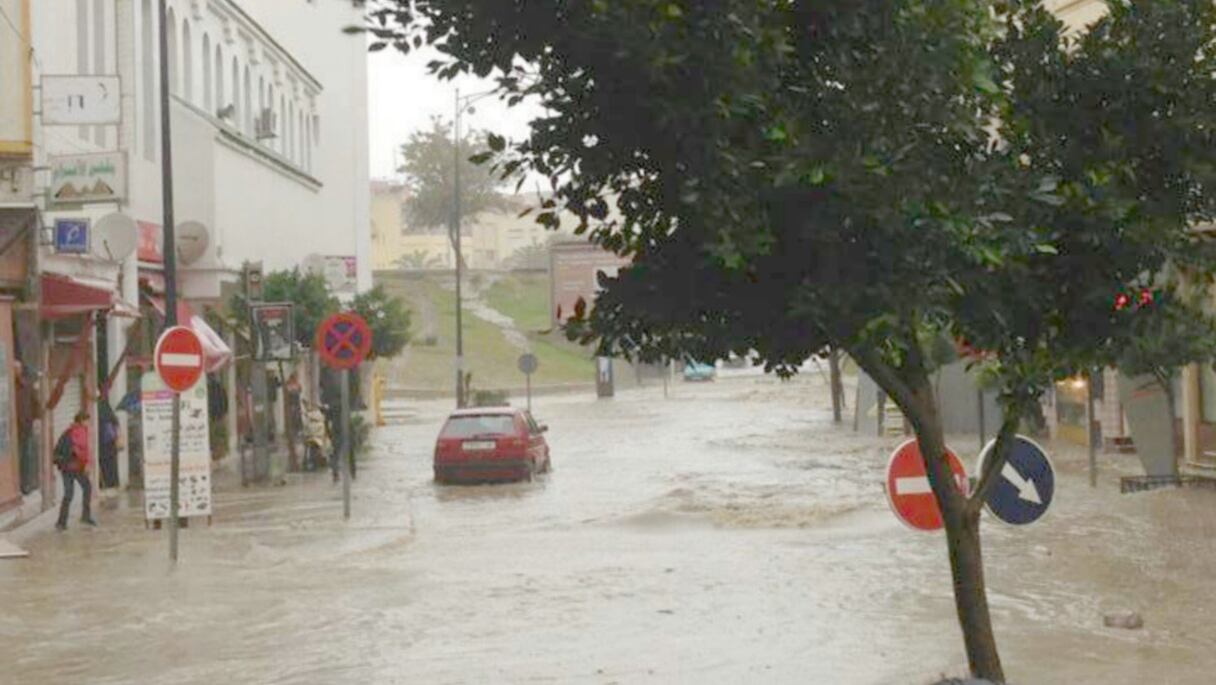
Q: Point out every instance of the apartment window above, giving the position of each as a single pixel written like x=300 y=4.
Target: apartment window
x=207 y=72
x=187 y=62
x=148 y=78
x=261 y=102
x=282 y=125
x=291 y=131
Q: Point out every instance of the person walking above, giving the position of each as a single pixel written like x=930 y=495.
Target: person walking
x=72 y=457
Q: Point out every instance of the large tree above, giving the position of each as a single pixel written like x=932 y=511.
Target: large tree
x=429 y=159
x=866 y=175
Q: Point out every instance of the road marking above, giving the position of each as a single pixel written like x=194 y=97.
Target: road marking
x=178 y=359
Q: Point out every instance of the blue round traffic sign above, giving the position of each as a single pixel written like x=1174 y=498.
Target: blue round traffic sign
x=1024 y=487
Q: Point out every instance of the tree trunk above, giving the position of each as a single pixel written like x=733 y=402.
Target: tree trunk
x=962 y=525
x=837 y=387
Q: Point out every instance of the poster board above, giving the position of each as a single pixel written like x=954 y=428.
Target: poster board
x=194 y=476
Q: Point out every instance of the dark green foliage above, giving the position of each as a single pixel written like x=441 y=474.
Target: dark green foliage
x=310 y=295
x=389 y=320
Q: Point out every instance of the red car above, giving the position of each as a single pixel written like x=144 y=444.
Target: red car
x=490 y=443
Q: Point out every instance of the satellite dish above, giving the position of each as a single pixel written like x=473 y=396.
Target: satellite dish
x=192 y=240
x=114 y=237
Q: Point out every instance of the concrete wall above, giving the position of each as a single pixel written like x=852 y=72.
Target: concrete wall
x=16 y=132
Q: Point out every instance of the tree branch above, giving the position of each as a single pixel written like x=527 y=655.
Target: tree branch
x=883 y=374
x=996 y=460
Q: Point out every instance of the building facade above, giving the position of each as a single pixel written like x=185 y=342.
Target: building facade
x=269 y=142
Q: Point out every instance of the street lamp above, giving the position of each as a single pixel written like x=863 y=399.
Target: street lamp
x=461 y=104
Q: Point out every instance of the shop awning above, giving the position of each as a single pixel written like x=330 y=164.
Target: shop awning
x=64 y=296
x=216 y=353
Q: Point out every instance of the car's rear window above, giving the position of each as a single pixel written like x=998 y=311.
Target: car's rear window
x=486 y=424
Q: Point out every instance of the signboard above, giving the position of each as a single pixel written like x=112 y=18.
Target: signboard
x=528 y=363
x=1026 y=485
x=77 y=179
x=344 y=340
x=194 y=474
x=179 y=358
x=1150 y=423
x=151 y=245
x=574 y=272
x=72 y=236
x=274 y=332
x=341 y=272
x=908 y=490
x=81 y=99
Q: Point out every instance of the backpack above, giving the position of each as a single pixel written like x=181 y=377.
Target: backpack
x=65 y=451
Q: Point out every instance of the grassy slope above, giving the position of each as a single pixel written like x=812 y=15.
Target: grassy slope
x=487 y=353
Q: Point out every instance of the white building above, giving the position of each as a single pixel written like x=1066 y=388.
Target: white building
x=269 y=145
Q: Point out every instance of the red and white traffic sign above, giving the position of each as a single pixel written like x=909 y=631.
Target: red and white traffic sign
x=344 y=340
x=179 y=358
x=908 y=490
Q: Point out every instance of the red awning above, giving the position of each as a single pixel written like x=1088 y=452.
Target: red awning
x=63 y=296
x=216 y=353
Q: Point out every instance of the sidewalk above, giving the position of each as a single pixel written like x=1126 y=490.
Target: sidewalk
x=303 y=501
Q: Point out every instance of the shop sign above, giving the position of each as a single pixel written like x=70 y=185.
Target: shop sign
x=72 y=236
x=274 y=332
x=79 y=179
x=341 y=272
x=81 y=99
x=151 y=243
x=194 y=475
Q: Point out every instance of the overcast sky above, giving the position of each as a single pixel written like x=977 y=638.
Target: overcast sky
x=403 y=97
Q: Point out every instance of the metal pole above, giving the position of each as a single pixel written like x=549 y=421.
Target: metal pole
x=460 y=398
x=1089 y=424
x=345 y=452
x=528 y=379
x=170 y=256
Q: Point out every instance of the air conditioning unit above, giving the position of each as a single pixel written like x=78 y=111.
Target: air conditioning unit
x=265 y=125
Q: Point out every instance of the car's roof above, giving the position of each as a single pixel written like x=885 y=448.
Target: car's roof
x=487 y=411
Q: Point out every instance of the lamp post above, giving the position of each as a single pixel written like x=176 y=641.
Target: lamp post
x=461 y=103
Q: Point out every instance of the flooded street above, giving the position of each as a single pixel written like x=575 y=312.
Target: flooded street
x=727 y=534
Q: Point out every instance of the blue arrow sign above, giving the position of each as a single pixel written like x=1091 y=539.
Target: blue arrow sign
x=1025 y=486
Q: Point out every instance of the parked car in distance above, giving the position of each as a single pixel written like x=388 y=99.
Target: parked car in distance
x=699 y=371
x=486 y=444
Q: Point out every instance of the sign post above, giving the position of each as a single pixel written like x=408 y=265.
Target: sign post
x=528 y=363
x=909 y=492
x=344 y=340
x=179 y=363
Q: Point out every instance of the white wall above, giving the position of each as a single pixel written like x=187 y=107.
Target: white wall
x=277 y=200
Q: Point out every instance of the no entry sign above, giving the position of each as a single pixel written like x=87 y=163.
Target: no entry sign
x=179 y=358
x=344 y=340
x=908 y=490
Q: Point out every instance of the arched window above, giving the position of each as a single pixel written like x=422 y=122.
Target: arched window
x=291 y=131
x=236 y=95
x=261 y=101
x=282 y=125
x=187 y=62
x=220 y=100
x=300 y=133
x=206 y=73
x=173 y=61
x=245 y=96
x=272 y=140
x=307 y=142
x=147 y=79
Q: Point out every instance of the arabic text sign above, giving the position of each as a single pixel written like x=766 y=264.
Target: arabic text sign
x=194 y=475
x=77 y=179
x=68 y=100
